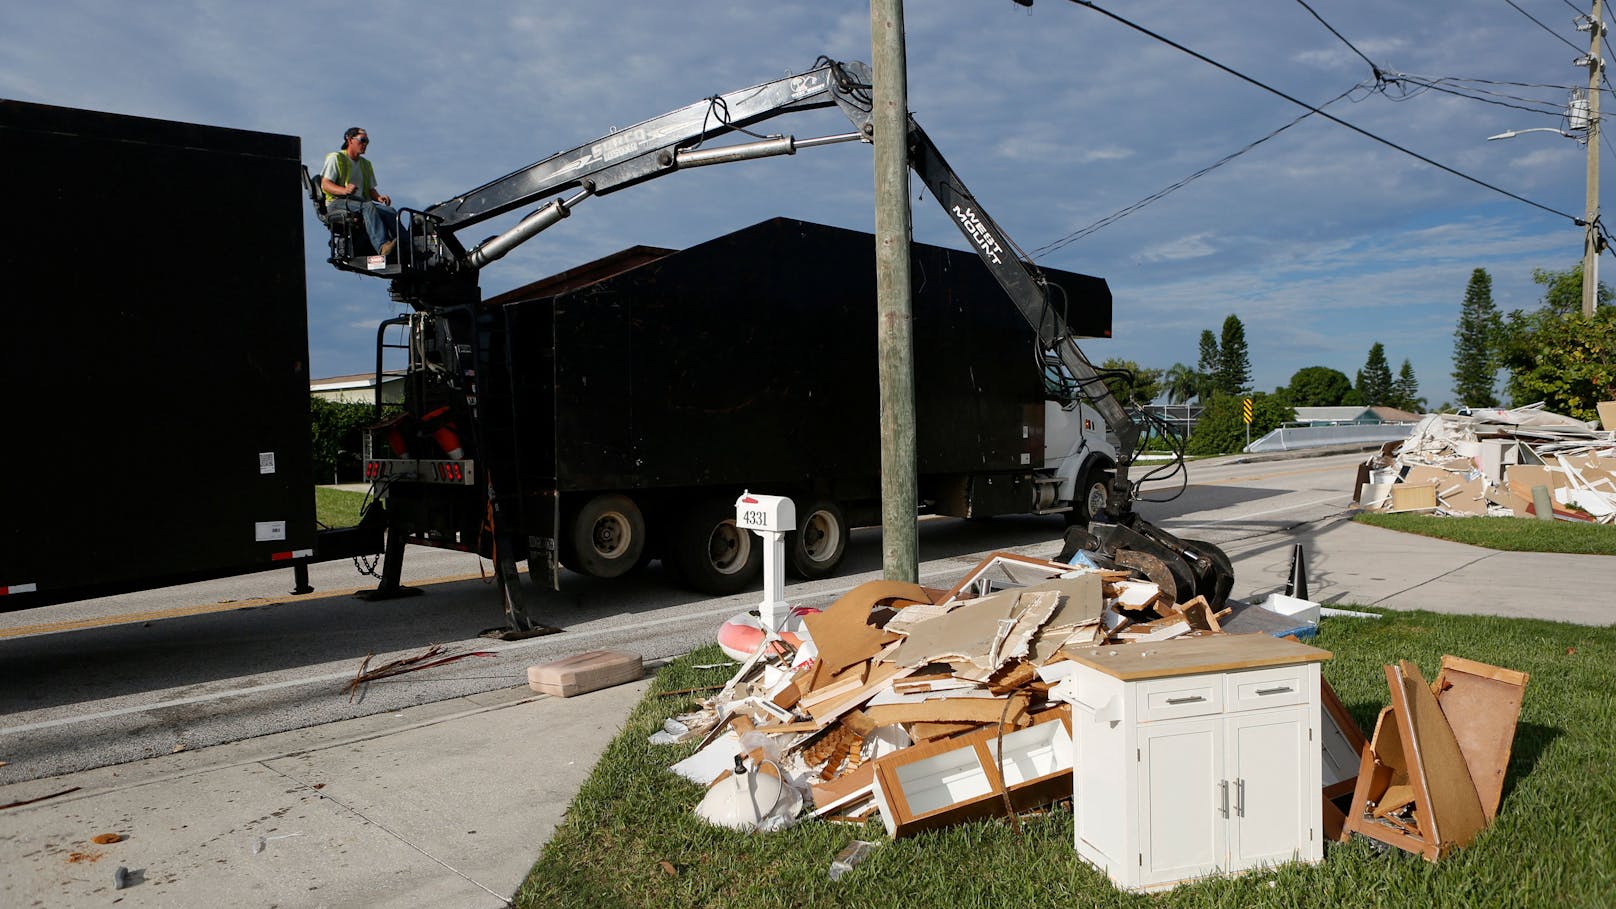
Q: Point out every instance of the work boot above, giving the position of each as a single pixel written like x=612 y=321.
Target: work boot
x=387 y=248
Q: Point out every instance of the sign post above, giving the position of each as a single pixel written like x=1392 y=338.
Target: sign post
x=1245 y=411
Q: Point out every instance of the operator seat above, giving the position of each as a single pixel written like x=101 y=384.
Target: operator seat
x=348 y=238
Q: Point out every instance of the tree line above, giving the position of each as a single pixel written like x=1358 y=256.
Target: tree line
x=1552 y=354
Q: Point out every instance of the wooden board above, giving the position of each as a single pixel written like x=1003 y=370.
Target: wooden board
x=952 y=710
x=1446 y=804
x=1192 y=656
x=1481 y=704
x=1413 y=497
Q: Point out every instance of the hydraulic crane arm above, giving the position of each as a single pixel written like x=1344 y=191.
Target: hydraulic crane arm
x=655 y=147
x=434 y=270
x=1031 y=294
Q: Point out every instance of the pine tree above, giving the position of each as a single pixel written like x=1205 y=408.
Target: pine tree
x=1375 y=379
x=1475 y=343
x=1234 y=365
x=1406 y=390
x=1208 y=364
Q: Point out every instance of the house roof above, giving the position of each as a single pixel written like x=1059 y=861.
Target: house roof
x=1344 y=414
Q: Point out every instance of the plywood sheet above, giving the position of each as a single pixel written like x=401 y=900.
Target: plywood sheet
x=1481 y=704
x=1448 y=809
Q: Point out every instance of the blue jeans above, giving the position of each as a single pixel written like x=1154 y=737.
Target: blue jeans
x=381 y=221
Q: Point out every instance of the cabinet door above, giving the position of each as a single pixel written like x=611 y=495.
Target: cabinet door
x=1182 y=826
x=1268 y=817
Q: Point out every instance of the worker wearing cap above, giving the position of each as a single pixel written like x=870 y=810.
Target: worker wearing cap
x=350 y=185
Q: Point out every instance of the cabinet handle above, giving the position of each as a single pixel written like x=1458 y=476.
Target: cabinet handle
x=1190 y=700
x=1240 y=797
x=1225 y=806
x=1274 y=690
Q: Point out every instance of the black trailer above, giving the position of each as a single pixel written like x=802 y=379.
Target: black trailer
x=621 y=407
x=155 y=354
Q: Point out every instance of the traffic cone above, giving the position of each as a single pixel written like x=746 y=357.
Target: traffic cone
x=1297 y=585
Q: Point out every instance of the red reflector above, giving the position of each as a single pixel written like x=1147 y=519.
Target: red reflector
x=281 y=556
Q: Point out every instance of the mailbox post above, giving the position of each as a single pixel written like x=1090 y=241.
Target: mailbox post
x=770 y=517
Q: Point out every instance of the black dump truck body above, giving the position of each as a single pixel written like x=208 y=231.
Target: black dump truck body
x=675 y=380
x=155 y=354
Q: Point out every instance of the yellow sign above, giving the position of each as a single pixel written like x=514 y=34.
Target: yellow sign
x=1245 y=410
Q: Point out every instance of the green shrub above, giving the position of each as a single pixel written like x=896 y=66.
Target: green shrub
x=335 y=436
x=1222 y=427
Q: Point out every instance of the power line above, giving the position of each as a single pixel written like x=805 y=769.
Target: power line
x=1165 y=191
x=1544 y=27
x=1332 y=118
x=1373 y=68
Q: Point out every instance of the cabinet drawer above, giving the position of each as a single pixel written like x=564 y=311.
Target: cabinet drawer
x=1260 y=688
x=1170 y=698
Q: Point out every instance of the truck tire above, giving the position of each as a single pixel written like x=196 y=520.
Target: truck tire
x=1093 y=492
x=607 y=536
x=712 y=554
x=816 y=547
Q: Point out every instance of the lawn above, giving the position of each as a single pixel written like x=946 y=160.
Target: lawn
x=1510 y=534
x=630 y=838
x=337 y=507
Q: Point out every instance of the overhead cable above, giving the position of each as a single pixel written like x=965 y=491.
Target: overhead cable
x=1125 y=211
x=1545 y=27
x=1332 y=118
x=1372 y=67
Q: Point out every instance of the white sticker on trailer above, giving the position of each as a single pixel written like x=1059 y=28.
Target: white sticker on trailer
x=266 y=462
x=267 y=531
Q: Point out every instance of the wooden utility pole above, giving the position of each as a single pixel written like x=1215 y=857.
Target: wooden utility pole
x=1590 y=242
x=895 y=346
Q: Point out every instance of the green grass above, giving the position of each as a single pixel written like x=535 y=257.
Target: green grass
x=337 y=507
x=1553 y=843
x=1511 y=534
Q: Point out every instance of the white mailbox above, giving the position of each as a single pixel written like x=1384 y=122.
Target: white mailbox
x=770 y=517
x=765 y=513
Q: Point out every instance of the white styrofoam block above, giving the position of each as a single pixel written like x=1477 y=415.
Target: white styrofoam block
x=1305 y=610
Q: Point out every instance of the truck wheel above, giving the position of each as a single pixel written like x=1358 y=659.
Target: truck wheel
x=1092 y=495
x=713 y=555
x=816 y=547
x=608 y=536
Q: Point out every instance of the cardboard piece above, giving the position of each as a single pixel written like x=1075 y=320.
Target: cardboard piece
x=1607 y=415
x=585 y=672
x=843 y=633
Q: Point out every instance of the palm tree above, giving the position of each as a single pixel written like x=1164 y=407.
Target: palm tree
x=1182 y=383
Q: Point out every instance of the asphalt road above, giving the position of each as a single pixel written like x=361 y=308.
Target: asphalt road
x=123 y=678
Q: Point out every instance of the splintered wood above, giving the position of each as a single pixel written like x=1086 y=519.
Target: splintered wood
x=1431 y=777
x=915 y=693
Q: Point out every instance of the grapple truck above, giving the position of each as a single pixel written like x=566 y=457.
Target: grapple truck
x=611 y=414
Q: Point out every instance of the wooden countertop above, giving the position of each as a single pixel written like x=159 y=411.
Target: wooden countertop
x=1193 y=656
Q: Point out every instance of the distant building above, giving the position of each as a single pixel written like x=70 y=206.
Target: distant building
x=1326 y=416
x=359 y=389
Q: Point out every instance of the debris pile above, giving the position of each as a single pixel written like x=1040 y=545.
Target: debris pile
x=930 y=706
x=1523 y=462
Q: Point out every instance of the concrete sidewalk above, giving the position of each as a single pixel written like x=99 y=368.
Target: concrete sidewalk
x=448 y=804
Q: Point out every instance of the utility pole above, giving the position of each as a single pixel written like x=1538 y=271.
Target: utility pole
x=895 y=345
x=1590 y=242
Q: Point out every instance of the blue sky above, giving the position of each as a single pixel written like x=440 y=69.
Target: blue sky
x=1321 y=241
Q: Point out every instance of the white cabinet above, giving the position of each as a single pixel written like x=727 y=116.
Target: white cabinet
x=1196 y=757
